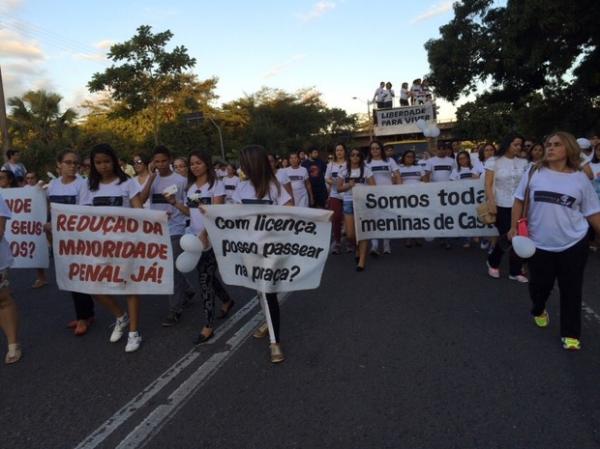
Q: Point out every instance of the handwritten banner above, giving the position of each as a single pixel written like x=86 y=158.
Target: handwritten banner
x=437 y=209
x=402 y=120
x=25 y=230
x=269 y=248
x=112 y=250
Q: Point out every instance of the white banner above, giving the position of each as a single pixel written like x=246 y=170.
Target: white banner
x=25 y=230
x=269 y=248
x=402 y=120
x=112 y=250
x=437 y=209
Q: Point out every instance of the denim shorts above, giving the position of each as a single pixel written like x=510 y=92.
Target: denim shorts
x=348 y=208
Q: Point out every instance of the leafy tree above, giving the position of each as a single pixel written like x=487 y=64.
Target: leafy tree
x=528 y=59
x=145 y=76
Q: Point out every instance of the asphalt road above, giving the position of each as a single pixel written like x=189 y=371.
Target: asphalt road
x=421 y=350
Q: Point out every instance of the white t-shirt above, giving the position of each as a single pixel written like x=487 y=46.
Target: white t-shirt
x=440 y=168
x=333 y=169
x=230 y=184
x=411 y=174
x=461 y=173
x=177 y=220
x=476 y=163
x=298 y=177
x=246 y=194
x=356 y=176
x=379 y=94
x=65 y=193
x=403 y=94
x=282 y=176
x=388 y=95
x=197 y=196
x=558 y=206
x=507 y=175
x=6 y=257
x=383 y=171
x=111 y=194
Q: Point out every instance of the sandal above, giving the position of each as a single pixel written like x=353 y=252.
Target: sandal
x=39 y=283
x=14 y=354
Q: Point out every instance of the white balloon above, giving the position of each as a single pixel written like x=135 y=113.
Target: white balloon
x=186 y=262
x=427 y=132
x=421 y=124
x=434 y=131
x=191 y=244
x=523 y=246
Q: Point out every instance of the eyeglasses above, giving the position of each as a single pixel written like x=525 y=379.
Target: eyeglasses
x=70 y=162
x=138 y=162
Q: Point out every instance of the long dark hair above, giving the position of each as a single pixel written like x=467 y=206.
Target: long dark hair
x=595 y=158
x=403 y=159
x=95 y=178
x=12 y=180
x=458 y=155
x=362 y=162
x=383 y=156
x=204 y=157
x=255 y=165
x=505 y=144
x=482 y=150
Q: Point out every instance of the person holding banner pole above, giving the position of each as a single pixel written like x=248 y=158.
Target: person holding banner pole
x=9 y=316
x=67 y=190
x=109 y=185
x=502 y=177
x=385 y=172
x=335 y=198
x=354 y=173
x=161 y=179
x=204 y=189
x=262 y=187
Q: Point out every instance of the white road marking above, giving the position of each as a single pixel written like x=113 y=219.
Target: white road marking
x=124 y=413
x=163 y=413
x=589 y=313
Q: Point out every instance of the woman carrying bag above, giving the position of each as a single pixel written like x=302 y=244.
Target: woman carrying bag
x=558 y=202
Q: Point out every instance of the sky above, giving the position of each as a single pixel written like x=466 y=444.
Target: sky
x=343 y=48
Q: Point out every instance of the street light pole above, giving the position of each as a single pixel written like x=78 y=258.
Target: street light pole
x=220 y=138
x=3 y=120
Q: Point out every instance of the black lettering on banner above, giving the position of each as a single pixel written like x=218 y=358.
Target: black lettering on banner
x=399 y=223
x=560 y=199
x=397 y=201
x=443 y=221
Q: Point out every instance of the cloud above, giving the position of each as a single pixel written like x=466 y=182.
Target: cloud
x=434 y=11
x=278 y=69
x=14 y=46
x=319 y=9
x=104 y=44
x=90 y=56
x=8 y=5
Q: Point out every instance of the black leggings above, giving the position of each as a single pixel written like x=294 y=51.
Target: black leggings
x=84 y=305
x=210 y=286
x=273 y=304
x=503 y=223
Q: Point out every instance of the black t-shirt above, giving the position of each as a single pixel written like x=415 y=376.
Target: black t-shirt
x=316 y=174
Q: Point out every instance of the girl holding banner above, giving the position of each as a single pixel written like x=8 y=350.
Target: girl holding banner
x=108 y=185
x=335 y=198
x=385 y=172
x=354 y=173
x=262 y=187
x=9 y=317
x=206 y=189
x=67 y=190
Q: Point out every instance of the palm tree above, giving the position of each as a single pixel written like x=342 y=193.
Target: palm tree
x=37 y=116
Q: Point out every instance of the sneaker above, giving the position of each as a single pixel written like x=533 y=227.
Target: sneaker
x=571 y=344
x=335 y=249
x=484 y=245
x=374 y=252
x=120 y=326
x=171 y=319
x=519 y=278
x=387 y=251
x=134 y=340
x=543 y=320
x=493 y=272
x=276 y=353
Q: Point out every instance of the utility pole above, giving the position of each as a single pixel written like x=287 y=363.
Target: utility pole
x=3 y=119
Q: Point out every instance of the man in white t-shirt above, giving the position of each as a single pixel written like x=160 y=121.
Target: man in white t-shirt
x=379 y=94
x=12 y=164
x=161 y=180
x=440 y=167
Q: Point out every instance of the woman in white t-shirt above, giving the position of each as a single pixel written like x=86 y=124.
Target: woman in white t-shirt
x=562 y=205
x=301 y=187
x=262 y=187
x=385 y=172
x=9 y=316
x=409 y=171
x=502 y=176
x=335 y=203
x=205 y=189
x=281 y=175
x=67 y=190
x=140 y=166
x=230 y=182
x=108 y=185
x=354 y=173
x=464 y=168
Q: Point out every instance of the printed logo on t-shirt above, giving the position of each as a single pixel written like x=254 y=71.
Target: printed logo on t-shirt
x=443 y=168
x=229 y=187
x=560 y=199
x=465 y=175
x=63 y=199
x=108 y=201
x=197 y=202
x=356 y=180
x=380 y=168
x=158 y=198
x=296 y=178
x=256 y=201
x=414 y=174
